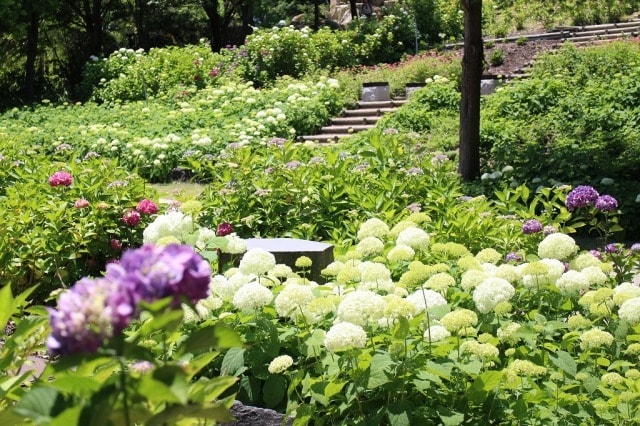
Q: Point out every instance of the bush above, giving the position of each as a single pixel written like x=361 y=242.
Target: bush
x=60 y=233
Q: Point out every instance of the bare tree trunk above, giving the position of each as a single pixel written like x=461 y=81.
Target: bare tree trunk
x=140 y=18
x=32 y=52
x=215 y=16
x=472 y=67
x=316 y=14
x=354 y=9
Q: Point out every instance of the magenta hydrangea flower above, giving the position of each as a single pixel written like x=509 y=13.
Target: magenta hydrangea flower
x=147 y=206
x=225 y=228
x=531 y=226
x=60 y=178
x=606 y=203
x=115 y=244
x=581 y=196
x=131 y=218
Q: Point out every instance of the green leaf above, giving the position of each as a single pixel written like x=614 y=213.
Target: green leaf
x=7 y=305
x=450 y=417
x=378 y=371
x=199 y=341
x=170 y=415
x=41 y=404
x=401 y=330
x=76 y=384
x=484 y=384
x=205 y=389
x=165 y=321
x=227 y=337
x=565 y=362
x=399 y=413
x=274 y=390
x=233 y=362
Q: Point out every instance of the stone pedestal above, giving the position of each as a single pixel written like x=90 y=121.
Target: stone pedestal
x=412 y=87
x=376 y=91
x=288 y=250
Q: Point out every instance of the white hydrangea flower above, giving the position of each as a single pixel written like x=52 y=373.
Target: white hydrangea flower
x=595 y=338
x=557 y=246
x=280 y=364
x=584 y=260
x=361 y=307
x=374 y=271
x=629 y=311
x=226 y=288
x=572 y=283
x=424 y=299
x=252 y=296
x=333 y=269
x=292 y=300
x=625 y=291
x=416 y=238
x=205 y=235
x=436 y=333
x=379 y=286
x=370 y=246
x=235 y=244
x=344 y=336
x=171 y=224
x=488 y=255
x=595 y=275
x=373 y=228
x=257 y=261
x=508 y=272
x=472 y=278
x=491 y=292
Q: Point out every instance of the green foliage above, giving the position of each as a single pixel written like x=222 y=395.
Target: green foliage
x=50 y=241
x=151 y=373
x=574 y=121
x=497 y=57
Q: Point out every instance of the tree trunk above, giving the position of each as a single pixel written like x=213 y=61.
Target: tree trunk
x=472 y=67
x=140 y=17
x=31 y=53
x=316 y=14
x=354 y=9
x=94 y=24
x=215 y=16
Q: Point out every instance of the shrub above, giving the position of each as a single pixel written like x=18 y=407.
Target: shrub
x=61 y=232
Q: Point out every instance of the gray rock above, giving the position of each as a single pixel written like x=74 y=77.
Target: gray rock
x=247 y=415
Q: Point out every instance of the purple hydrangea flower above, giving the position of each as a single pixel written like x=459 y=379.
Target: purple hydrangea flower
x=581 y=196
x=513 y=256
x=94 y=310
x=611 y=248
x=606 y=203
x=157 y=272
x=90 y=312
x=596 y=253
x=531 y=226
x=635 y=247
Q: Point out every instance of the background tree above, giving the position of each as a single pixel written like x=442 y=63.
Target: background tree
x=472 y=67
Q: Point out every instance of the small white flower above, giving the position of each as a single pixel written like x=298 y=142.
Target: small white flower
x=280 y=364
x=344 y=336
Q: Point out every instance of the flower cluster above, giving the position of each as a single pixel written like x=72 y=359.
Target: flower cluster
x=581 y=196
x=94 y=310
x=344 y=336
x=532 y=226
x=147 y=206
x=280 y=364
x=60 y=178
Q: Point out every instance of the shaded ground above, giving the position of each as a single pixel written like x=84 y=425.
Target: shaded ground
x=515 y=57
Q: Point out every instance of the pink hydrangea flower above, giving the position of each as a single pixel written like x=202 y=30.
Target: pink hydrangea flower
x=115 y=244
x=60 y=178
x=131 y=218
x=147 y=206
x=81 y=203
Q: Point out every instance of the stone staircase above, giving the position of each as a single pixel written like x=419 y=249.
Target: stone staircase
x=363 y=117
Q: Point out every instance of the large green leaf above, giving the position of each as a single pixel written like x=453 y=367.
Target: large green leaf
x=41 y=404
x=233 y=362
x=379 y=370
x=274 y=390
x=7 y=305
x=226 y=337
x=565 y=362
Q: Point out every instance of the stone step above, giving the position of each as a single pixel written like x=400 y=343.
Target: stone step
x=355 y=120
x=382 y=104
x=367 y=112
x=326 y=138
x=342 y=129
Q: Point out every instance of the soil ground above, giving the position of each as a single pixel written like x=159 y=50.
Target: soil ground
x=516 y=57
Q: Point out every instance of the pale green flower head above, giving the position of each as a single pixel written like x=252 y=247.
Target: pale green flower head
x=292 y=300
x=472 y=278
x=612 y=379
x=397 y=306
x=251 y=297
x=440 y=282
x=488 y=255
x=624 y=292
x=629 y=311
x=416 y=238
x=370 y=246
x=280 y=364
x=458 y=320
x=480 y=350
x=303 y=262
x=577 y=321
x=401 y=226
x=316 y=310
x=436 y=333
x=595 y=339
x=373 y=228
x=332 y=269
x=468 y=263
x=491 y=292
x=191 y=207
x=166 y=240
x=584 y=260
x=419 y=218
x=400 y=253
x=361 y=307
x=573 y=283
